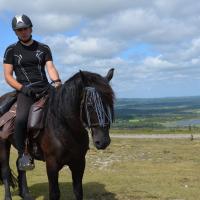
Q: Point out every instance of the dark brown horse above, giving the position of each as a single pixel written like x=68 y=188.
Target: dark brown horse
x=85 y=101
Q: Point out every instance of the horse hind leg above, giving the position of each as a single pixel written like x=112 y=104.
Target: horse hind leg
x=5 y=181
x=6 y=175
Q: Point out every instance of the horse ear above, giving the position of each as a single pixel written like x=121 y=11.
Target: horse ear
x=83 y=78
x=110 y=74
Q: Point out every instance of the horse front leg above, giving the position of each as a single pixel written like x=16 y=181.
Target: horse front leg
x=52 y=173
x=77 y=169
x=4 y=167
x=22 y=183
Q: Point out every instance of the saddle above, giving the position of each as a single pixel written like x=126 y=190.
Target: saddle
x=36 y=117
x=7 y=122
x=6 y=101
x=35 y=120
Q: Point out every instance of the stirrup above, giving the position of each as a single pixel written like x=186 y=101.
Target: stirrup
x=25 y=163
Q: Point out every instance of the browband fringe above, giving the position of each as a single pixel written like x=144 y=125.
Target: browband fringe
x=92 y=97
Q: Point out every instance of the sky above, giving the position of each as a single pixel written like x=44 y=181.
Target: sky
x=153 y=45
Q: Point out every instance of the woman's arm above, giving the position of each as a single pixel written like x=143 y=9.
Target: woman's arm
x=53 y=73
x=8 y=75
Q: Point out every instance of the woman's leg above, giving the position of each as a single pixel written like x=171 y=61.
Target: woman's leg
x=23 y=106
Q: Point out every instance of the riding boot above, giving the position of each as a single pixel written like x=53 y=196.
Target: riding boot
x=25 y=162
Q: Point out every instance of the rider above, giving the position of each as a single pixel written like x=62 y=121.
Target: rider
x=27 y=59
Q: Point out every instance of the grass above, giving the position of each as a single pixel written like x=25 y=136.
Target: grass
x=148 y=169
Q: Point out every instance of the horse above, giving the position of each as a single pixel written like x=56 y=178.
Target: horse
x=83 y=104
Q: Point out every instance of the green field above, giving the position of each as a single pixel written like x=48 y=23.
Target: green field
x=130 y=169
x=168 y=114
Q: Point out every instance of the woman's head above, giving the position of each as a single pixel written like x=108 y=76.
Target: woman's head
x=22 y=26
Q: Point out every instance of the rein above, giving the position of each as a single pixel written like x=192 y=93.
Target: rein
x=92 y=100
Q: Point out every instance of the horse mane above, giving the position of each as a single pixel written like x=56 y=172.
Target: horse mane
x=65 y=102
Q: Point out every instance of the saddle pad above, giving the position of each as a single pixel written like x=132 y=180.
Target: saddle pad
x=7 y=122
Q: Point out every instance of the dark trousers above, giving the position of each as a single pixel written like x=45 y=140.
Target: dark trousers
x=23 y=106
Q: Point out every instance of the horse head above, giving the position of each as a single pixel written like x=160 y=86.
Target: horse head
x=97 y=107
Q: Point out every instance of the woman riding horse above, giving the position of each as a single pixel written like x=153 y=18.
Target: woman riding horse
x=28 y=59
x=83 y=102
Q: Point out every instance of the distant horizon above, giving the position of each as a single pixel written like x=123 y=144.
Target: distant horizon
x=7 y=88
x=167 y=97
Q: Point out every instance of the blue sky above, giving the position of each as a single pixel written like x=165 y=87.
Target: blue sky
x=154 y=45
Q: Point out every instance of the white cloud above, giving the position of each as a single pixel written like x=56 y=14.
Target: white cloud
x=93 y=35
x=51 y=23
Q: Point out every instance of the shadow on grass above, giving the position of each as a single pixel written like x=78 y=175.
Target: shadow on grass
x=91 y=191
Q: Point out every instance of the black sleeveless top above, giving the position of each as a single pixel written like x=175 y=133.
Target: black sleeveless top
x=28 y=62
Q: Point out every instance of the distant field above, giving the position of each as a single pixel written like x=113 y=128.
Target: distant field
x=158 y=113
x=130 y=170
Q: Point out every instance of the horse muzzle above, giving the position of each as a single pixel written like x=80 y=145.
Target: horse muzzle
x=101 y=138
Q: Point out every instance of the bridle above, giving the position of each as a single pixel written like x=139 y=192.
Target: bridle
x=91 y=101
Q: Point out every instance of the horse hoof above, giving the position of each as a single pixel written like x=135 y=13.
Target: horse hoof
x=28 y=197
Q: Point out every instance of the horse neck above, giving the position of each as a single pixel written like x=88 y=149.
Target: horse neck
x=65 y=106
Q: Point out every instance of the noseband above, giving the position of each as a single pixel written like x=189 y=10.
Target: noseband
x=91 y=100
